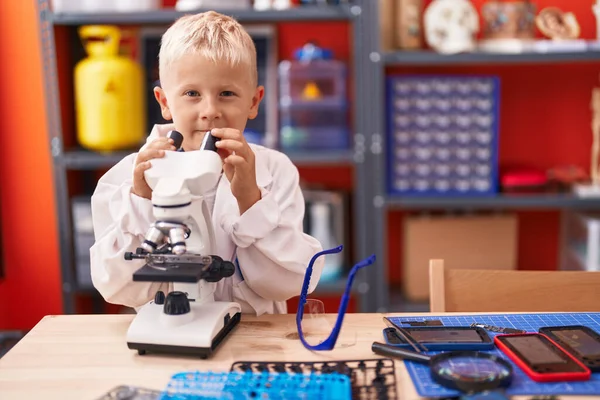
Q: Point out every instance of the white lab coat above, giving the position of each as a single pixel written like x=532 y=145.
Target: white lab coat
x=268 y=239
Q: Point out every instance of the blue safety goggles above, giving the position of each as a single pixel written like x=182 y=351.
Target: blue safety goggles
x=328 y=343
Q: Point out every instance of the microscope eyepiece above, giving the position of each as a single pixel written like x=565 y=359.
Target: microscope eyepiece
x=209 y=142
x=177 y=139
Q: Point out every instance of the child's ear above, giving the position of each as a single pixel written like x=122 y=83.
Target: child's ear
x=259 y=93
x=161 y=98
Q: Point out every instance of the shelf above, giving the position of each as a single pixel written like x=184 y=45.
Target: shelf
x=533 y=201
x=89 y=160
x=167 y=16
x=320 y=157
x=424 y=57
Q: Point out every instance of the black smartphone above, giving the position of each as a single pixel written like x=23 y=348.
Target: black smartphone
x=581 y=341
x=442 y=337
x=542 y=359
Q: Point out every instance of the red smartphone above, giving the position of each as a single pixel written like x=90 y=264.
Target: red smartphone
x=542 y=359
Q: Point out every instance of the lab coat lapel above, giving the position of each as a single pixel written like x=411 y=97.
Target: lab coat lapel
x=226 y=204
x=264 y=178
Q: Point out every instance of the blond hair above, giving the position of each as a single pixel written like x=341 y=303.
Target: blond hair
x=215 y=36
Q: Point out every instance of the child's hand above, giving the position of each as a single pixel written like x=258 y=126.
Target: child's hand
x=238 y=159
x=156 y=149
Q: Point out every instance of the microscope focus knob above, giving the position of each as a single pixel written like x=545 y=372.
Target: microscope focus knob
x=218 y=270
x=159 y=297
x=176 y=303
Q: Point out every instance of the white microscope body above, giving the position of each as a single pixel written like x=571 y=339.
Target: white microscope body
x=180 y=248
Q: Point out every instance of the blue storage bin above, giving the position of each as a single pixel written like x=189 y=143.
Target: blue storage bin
x=313 y=107
x=442 y=135
x=314 y=126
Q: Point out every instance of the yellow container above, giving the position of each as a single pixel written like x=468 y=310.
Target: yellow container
x=109 y=93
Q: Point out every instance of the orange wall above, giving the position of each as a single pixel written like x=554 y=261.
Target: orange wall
x=31 y=287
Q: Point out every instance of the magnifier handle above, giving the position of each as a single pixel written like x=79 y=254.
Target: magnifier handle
x=393 y=351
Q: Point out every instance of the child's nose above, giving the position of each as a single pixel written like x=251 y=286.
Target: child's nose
x=210 y=110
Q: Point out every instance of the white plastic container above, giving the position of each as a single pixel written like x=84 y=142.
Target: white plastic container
x=191 y=5
x=137 y=5
x=322 y=230
x=98 y=6
x=104 y=6
x=66 y=6
x=581 y=245
x=83 y=6
x=313 y=106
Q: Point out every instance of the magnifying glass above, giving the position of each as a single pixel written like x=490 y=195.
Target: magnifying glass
x=466 y=371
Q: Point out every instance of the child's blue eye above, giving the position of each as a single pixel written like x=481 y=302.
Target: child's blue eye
x=192 y=93
x=227 y=93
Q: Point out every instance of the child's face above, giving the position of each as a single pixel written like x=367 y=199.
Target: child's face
x=199 y=94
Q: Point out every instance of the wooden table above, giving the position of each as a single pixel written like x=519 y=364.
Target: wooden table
x=83 y=356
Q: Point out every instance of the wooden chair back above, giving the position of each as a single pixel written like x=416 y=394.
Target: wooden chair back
x=474 y=290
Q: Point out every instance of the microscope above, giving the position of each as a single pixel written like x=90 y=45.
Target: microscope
x=180 y=248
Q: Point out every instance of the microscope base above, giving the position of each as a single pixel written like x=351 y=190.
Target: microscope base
x=196 y=333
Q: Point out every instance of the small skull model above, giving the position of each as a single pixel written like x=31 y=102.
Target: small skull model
x=451 y=26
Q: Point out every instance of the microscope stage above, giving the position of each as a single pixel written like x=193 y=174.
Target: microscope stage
x=199 y=332
x=180 y=273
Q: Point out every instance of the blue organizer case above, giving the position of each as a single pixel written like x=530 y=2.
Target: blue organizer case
x=442 y=135
x=521 y=383
x=195 y=385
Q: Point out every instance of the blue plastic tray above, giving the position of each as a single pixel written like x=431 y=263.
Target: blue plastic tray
x=256 y=385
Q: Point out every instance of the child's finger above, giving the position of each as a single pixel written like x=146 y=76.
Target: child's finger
x=231 y=146
x=138 y=171
x=149 y=154
x=140 y=186
x=167 y=146
x=235 y=160
x=228 y=133
x=162 y=143
x=217 y=132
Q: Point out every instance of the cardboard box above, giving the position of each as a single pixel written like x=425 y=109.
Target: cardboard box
x=408 y=25
x=387 y=16
x=468 y=242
